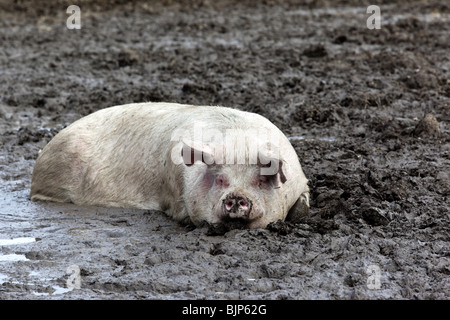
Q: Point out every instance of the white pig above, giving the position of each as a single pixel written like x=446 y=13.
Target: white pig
x=199 y=164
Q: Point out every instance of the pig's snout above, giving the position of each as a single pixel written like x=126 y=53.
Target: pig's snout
x=237 y=206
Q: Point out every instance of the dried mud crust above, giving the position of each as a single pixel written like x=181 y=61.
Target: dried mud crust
x=366 y=110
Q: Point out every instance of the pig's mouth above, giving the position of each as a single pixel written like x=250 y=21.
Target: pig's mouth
x=227 y=224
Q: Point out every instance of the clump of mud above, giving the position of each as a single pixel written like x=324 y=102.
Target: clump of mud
x=428 y=126
x=313 y=224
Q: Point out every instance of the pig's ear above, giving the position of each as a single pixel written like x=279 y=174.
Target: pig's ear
x=193 y=151
x=283 y=171
x=273 y=167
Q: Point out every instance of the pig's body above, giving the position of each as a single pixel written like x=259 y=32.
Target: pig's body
x=146 y=156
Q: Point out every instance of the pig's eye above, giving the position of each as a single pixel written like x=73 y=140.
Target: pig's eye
x=265 y=181
x=221 y=181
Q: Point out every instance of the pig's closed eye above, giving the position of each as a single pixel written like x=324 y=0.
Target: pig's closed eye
x=221 y=181
x=264 y=181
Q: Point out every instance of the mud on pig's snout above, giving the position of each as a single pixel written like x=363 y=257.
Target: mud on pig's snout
x=237 y=206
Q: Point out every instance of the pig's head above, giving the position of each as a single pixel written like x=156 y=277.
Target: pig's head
x=229 y=196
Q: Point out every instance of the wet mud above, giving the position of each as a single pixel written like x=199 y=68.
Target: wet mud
x=368 y=112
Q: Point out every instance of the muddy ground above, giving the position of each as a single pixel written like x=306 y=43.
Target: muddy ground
x=351 y=100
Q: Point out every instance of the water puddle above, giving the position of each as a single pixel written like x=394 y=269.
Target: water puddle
x=3 y=278
x=58 y=290
x=12 y=257
x=327 y=139
x=9 y=242
x=16 y=241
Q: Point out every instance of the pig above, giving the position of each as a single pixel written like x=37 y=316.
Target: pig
x=199 y=164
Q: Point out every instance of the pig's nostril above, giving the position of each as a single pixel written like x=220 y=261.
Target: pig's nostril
x=243 y=204
x=229 y=204
x=237 y=206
